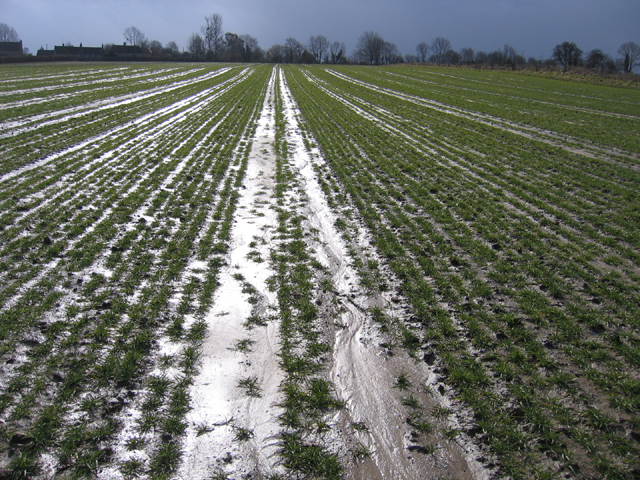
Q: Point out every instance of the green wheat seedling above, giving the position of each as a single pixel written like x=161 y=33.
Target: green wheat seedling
x=250 y=387
x=254 y=321
x=412 y=402
x=243 y=345
x=402 y=382
x=361 y=452
x=243 y=434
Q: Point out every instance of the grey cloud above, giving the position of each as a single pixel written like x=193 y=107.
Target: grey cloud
x=533 y=27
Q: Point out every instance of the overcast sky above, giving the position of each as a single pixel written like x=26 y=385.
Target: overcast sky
x=533 y=27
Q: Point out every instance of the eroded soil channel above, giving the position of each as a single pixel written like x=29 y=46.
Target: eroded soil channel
x=232 y=424
x=368 y=404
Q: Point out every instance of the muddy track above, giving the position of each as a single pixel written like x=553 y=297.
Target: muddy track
x=361 y=176
x=231 y=427
x=364 y=375
x=235 y=425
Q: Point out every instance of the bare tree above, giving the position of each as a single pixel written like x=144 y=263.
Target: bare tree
x=212 y=31
x=482 y=57
x=369 y=48
x=390 y=53
x=8 y=34
x=496 y=58
x=567 y=54
x=594 y=58
x=630 y=51
x=155 y=46
x=467 y=56
x=318 y=46
x=252 y=51
x=423 y=51
x=172 y=48
x=510 y=54
x=134 y=37
x=294 y=50
x=452 y=57
x=276 y=54
x=439 y=48
x=233 y=48
x=337 y=52
x=196 y=46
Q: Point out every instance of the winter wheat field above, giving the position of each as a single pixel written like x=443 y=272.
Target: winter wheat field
x=266 y=272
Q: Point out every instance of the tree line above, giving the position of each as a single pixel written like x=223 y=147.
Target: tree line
x=373 y=49
x=212 y=43
x=566 y=54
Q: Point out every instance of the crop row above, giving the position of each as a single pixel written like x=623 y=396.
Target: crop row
x=518 y=257
x=56 y=99
x=36 y=136
x=107 y=249
x=592 y=114
x=65 y=198
x=308 y=395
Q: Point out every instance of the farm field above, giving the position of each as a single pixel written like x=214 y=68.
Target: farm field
x=241 y=271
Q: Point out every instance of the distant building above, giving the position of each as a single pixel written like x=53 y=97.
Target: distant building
x=79 y=52
x=46 y=53
x=11 y=49
x=128 y=51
